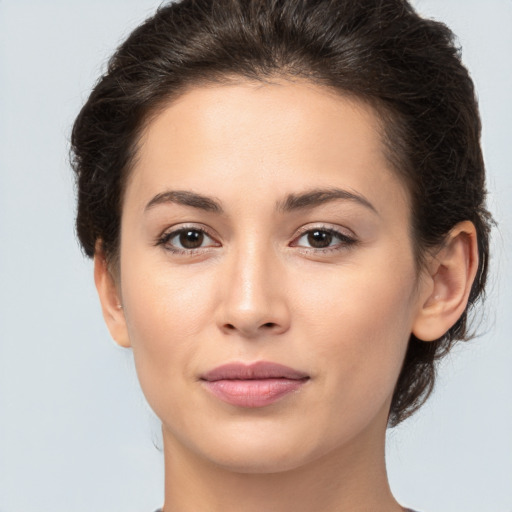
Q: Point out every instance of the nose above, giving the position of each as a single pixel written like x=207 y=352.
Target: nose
x=253 y=296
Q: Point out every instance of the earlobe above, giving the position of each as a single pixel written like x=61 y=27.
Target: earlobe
x=109 y=296
x=451 y=272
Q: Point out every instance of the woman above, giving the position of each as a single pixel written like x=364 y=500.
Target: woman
x=285 y=203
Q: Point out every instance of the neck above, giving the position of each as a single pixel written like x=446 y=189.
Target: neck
x=352 y=478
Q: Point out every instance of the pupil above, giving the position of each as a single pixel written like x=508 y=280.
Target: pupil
x=319 y=239
x=191 y=239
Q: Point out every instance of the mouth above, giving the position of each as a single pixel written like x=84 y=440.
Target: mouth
x=254 y=385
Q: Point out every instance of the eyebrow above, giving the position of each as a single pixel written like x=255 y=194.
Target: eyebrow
x=186 y=198
x=317 y=197
x=292 y=202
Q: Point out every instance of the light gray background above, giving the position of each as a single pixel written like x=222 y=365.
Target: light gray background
x=75 y=433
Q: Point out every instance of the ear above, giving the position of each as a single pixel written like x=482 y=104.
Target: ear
x=110 y=300
x=447 y=283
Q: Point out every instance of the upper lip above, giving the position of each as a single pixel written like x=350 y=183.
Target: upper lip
x=253 y=371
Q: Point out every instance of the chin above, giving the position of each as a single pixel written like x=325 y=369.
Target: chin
x=260 y=461
x=254 y=451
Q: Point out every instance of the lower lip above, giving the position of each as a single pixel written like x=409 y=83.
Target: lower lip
x=255 y=392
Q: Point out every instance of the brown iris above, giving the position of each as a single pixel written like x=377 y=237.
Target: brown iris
x=191 y=238
x=319 y=239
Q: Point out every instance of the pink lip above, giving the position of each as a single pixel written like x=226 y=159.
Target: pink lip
x=255 y=385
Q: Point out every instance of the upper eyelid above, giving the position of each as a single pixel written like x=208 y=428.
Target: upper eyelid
x=183 y=227
x=325 y=227
x=303 y=229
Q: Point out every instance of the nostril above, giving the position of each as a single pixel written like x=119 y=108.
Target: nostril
x=268 y=325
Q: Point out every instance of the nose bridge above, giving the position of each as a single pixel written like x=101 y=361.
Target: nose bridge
x=252 y=271
x=254 y=297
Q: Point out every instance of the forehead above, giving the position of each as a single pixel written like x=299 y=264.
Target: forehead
x=280 y=137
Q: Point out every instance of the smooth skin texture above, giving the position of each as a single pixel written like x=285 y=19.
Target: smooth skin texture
x=294 y=248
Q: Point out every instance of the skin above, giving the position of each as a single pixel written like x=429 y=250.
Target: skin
x=257 y=290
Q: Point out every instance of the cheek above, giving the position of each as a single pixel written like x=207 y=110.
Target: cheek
x=161 y=298
x=360 y=320
x=166 y=310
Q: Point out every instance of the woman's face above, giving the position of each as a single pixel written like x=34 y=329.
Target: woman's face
x=263 y=224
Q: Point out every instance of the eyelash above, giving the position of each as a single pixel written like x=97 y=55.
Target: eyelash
x=344 y=241
x=165 y=238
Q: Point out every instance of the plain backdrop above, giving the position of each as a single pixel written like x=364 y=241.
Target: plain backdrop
x=75 y=432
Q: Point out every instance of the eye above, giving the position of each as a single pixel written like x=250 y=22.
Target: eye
x=187 y=240
x=323 y=238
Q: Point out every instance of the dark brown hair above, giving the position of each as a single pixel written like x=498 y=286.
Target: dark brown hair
x=380 y=51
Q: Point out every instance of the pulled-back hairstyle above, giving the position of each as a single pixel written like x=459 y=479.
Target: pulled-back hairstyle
x=380 y=51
